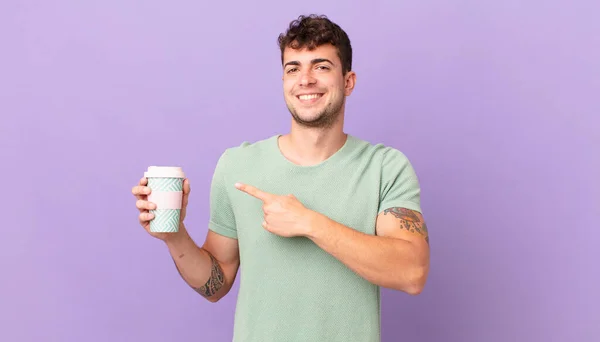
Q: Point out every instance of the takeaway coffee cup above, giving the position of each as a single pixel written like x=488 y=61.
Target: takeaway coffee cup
x=166 y=183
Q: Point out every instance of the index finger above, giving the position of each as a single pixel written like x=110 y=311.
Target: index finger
x=140 y=190
x=253 y=191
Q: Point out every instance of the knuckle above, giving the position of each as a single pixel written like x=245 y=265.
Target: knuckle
x=145 y=216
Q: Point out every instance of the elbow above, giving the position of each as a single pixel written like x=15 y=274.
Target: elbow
x=213 y=299
x=415 y=290
x=415 y=282
x=210 y=296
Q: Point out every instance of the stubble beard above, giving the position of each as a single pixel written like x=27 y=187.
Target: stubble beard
x=325 y=119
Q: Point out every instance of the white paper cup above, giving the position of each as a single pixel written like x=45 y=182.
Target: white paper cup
x=166 y=183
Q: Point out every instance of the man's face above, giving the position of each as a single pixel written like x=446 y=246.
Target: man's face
x=314 y=85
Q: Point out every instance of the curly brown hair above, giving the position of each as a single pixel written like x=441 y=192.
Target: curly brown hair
x=313 y=31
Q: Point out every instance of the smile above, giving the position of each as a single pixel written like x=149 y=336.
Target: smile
x=309 y=97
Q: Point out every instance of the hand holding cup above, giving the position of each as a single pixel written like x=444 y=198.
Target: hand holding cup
x=162 y=198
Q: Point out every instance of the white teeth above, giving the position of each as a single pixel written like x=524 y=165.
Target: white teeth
x=309 y=97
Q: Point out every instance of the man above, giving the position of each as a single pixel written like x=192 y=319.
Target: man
x=317 y=219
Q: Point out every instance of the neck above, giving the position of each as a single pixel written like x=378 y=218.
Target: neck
x=309 y=146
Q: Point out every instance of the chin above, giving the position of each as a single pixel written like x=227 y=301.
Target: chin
x=309 y=117
x=319 y=120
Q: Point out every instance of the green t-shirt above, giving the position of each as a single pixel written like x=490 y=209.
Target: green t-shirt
x=291 y=289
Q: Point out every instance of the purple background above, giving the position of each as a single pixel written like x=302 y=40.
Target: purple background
x=495 y=104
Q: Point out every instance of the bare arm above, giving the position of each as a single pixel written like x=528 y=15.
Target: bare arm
x=211 y=269
x=397 y=257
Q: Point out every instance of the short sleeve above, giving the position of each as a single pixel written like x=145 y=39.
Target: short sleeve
x=399 y=183
x=222 y=219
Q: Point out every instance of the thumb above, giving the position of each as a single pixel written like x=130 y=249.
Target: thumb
x=186 y=187
x=186 y=193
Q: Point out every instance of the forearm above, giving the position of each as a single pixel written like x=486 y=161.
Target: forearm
x=198 y=268
x=385 y=261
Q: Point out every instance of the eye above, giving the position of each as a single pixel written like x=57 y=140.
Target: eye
x=323 y=67
x=289 y=71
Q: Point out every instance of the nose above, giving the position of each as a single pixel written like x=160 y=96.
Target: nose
x=306 y=78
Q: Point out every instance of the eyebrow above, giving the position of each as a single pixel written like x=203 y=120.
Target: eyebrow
x=314 y=61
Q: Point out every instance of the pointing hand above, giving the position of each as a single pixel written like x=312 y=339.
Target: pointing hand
x=283 y=215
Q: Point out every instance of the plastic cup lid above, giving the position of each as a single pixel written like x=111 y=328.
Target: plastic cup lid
x=164 y=172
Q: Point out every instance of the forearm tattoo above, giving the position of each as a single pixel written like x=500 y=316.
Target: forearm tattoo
x=410 y=221
x=214 y=282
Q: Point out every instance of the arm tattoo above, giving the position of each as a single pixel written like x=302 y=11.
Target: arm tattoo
x=410 y=221
x=214 y=282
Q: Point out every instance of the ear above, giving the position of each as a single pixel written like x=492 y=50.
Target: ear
x=350 y=82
